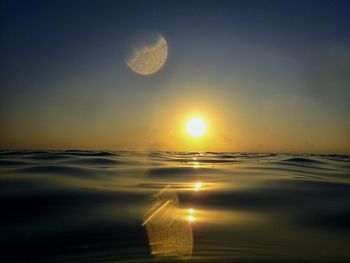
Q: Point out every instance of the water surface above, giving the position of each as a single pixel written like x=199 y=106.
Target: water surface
x=86 y=206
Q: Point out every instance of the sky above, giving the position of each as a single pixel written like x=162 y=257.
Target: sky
x=267 y=76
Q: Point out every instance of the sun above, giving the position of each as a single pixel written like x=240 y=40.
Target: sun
x=196 y=127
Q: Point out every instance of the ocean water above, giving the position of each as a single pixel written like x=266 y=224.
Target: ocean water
x=88 y=206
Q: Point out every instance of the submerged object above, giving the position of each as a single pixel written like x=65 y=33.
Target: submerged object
x=168 y=233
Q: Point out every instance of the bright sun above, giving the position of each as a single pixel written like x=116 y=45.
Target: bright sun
x=196 y=127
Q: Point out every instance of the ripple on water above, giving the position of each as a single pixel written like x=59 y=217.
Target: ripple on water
x=88 y=206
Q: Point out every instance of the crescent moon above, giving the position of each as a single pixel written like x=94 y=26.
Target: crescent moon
x=149 y=59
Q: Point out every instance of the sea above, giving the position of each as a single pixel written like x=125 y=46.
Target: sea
x=104 y=206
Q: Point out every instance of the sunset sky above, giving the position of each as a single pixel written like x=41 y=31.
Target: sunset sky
x=266 y=76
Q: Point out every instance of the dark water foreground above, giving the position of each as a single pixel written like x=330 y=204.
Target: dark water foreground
x=77 y=206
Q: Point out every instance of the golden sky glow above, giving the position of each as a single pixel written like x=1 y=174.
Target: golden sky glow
x=76 y=85
x=232 y=126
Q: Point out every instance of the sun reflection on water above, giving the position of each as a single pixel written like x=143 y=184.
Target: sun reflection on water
x=190 y=217
x=168 y=234
x=195 y=165
x=198 y=186
x=169 y=226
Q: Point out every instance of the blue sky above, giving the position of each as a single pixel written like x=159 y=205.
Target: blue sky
x=269 y=75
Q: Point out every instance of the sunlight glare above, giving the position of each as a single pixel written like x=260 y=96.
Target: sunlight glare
x=197 y=186
x=190 y=218
x=196 y=127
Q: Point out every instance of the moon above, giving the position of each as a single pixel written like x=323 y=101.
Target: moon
x=148 y=60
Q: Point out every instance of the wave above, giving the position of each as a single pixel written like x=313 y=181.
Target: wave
x=88 y=206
